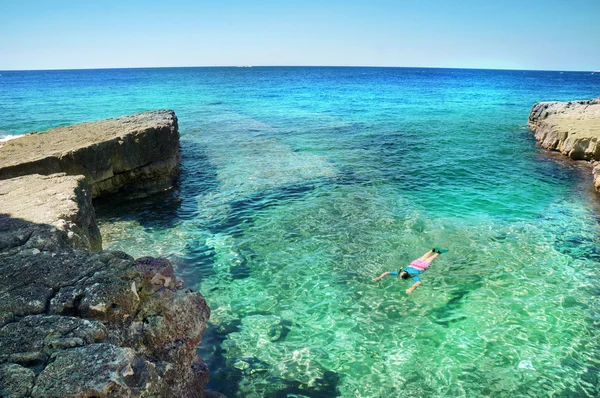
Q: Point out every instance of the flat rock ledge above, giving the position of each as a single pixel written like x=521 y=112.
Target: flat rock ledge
x=572 y=128
x=137 y=154
x=77 y=321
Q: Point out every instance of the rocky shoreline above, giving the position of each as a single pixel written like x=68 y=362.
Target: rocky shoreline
x=572 y=128
x=138 y=154
x=77 y=321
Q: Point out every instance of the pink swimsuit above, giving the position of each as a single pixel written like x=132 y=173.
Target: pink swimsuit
x=420 y=265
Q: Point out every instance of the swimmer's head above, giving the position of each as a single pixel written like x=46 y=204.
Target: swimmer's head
x=403 y=275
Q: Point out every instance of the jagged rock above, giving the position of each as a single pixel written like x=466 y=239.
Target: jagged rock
x=96 y=370
x=54 y=305
x=596 y=174
x=81 y=323
x=572 y=128
x=137 y=153
x=16 y=381
x=81 y=299
x=31 y=341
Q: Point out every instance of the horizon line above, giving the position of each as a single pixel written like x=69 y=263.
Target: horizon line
x=294 y=66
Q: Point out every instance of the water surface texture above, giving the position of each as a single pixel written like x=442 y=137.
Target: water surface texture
x=299 y=185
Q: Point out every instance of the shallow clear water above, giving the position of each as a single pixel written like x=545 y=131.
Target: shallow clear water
x=299 y=185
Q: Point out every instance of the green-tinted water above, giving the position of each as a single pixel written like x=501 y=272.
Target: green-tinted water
x=300 y=185
x=512 y=308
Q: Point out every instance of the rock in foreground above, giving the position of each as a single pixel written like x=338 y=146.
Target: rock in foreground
x=137 y=153
x=572 y=128
x=79 y=324
x=76 y=321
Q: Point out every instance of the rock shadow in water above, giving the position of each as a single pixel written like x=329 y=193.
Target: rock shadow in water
x=198 y=260
x=228 y=379
x=198 y=176
x=446 y=314
x=159 y=210
x=242 y=210
x=326 y=386
x=165 y=210
x=578 y=247
x=223 y=377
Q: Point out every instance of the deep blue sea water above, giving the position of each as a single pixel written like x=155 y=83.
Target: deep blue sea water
x=299 y=185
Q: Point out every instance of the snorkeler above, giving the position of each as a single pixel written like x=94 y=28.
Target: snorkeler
x=415 y=268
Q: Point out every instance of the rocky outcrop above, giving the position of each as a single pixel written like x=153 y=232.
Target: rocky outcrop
x=55 y=209
x=77 y=321
x=138 y=154
x=572 y=128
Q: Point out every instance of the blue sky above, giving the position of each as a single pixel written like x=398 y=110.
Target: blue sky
x=503 y=34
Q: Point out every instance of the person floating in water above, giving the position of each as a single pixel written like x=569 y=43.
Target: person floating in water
x=415 y=268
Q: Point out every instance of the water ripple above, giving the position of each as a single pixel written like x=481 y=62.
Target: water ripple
x=300 y=185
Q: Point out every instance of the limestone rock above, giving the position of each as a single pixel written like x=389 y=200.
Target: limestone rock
x=96 y=370
x=572 y=128
x=45 y=212
x=137 y=153
x=55 y=306
x=596 y=174
x=77 y=321
x=32 y=340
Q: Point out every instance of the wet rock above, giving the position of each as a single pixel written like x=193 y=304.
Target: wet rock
x=137 y=153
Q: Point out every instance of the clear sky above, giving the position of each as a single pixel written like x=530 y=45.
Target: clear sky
x=504 y=34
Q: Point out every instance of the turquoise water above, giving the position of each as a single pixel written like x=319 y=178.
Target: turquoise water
x=299 y=185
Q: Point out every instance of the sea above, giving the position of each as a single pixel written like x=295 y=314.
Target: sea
x=299 y=185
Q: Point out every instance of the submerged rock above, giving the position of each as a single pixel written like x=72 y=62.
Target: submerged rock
x=138 y=154
x=77 y=321
x=572 y=128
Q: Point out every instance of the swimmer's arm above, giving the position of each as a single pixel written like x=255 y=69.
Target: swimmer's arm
x=380 y=277
x=413 y=287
